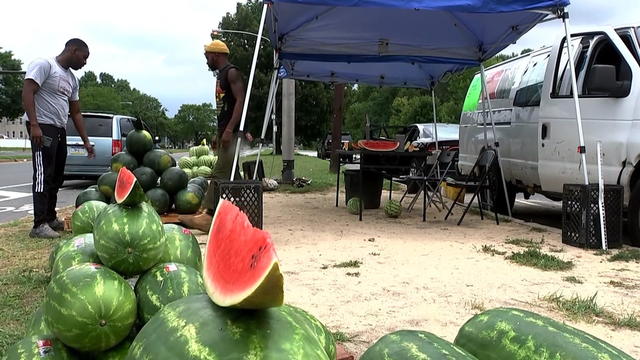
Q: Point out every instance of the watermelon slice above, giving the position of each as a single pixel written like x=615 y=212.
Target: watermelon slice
x=128 y=191
x=241 y=267
x=379 y=145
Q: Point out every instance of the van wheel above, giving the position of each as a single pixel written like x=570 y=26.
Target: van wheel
x=633 y=215
x=501 y=205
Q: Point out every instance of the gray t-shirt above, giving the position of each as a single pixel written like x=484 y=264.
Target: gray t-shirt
x=58 y=86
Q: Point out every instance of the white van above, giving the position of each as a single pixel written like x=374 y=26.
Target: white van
x=534 y=114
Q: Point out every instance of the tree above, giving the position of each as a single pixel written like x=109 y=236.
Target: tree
x=10 y=86
x=193 y=123
x=97 y=98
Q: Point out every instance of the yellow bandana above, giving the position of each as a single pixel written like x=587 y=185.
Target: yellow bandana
x=216 y=46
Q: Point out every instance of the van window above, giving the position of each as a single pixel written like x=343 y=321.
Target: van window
x=125 y=126
x=629 y=42
x=94 y=125
x=590 y=50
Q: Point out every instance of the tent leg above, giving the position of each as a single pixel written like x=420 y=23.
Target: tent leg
x=574 y=88
x=495 y=140
x=267 y=115
x=249 y=85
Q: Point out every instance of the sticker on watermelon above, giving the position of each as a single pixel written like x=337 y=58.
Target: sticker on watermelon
x=241 y=267
x=128 y=191
x=379 y=145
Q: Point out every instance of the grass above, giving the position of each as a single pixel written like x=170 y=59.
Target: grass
x=15 y=157
x=342 y=337
x=353 y=274
x=601 y=252
x=23 y=278
x=587 y=309
x=476 y=305
x=489 y=249
x=348 y=264
x=573 y=280
x=537 y=229
x=374 y=254
x=176 y=151
x=620 y=284
x=554 y=249
x=626 y=255
x=537 y=259
x=24 y=149
x=525 y=243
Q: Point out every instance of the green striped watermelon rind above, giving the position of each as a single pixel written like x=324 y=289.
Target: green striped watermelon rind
x=36 y=347
x=509 y=333
x=80 y=250
x=195 y=328
x=68 y=244
x=181 y=246
x=163 y=284
x=89 y=307
x=129 y=240
x=37 y=325
x=84 y=217
x=414 y=344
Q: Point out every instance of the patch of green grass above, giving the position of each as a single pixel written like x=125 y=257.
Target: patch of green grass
x=576 y=307
x=536 y=229
x=626 y=255
x=15 y=157
x=476 y=305
x=601 y=252
x=629 y=321
x=176 y=151
x=573 y=280
x=342 y=337
x=348 y=264
x=554 y=249
x=620 y=284
x=490 y=249
x=24 y=149
x=535 y=258
x=525 y=243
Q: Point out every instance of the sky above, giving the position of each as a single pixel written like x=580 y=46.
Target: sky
x=158 y=45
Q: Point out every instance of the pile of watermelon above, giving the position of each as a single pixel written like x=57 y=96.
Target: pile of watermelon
x=167 y=187
x=200 y=161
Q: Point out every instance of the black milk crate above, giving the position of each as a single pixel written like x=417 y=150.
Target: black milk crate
x=245 y=194
x=581 y=215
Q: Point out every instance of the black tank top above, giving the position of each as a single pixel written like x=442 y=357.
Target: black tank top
x=225 y=99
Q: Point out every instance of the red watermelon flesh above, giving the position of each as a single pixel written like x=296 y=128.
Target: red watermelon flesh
x=241 y=267
x=128 y=191
x=379 y=145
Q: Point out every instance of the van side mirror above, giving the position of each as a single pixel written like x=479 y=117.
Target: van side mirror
x=528 y=96
x=603 y=81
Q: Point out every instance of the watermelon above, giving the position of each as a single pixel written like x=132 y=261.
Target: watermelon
x=378 y=145
x=128 y=190
x=200 y=181
x=123 y=159
x=129 y=240
x=89 y=307
x=413 y=344
x=185 y=162
x=158 y=160
x=193 y=152
x=187 y=201
x=88 y=195
x=118 y=352
x=147 y=178
x=202 y=150
x=189 y=173
x=353 y=206
x=160 y=200
x=173 y=180
x=508 y=333
x=165 y=283
x=195 y=188
x=80 y=249
x=107 y=183
x=393 y=209
x=195 y=328
x=37 y=347
x=241 y=266
x=37 y=326
x=84 y=217
x=181 y=247
x=139 y=142
x=204 y=171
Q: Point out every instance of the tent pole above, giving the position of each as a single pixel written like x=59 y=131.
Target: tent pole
x=249 y=85
x=267 y=117
x=435 y=122
x=574 y=88
x=484 y=118
x=495 y=138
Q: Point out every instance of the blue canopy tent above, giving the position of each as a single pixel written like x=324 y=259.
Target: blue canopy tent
x=410 y=43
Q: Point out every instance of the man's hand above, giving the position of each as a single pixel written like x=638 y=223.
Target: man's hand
x=227 y=136
x=90 y=152
x=36 y=135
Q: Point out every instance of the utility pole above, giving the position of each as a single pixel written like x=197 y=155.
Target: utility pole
x=336 y=127
x=288 y=128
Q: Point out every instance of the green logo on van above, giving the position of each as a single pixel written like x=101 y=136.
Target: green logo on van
x=473 y=95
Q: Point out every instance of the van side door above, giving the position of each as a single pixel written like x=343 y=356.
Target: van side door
x=607 y=80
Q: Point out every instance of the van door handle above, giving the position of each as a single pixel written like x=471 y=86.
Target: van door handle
x=544 y=131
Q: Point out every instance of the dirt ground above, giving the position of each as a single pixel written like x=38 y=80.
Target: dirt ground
x=429 y=276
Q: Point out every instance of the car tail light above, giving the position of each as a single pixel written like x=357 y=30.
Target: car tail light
x=116 y=146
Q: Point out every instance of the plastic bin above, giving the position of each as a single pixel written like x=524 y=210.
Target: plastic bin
x=581 y=215
x=371 y=190
x=245 y=194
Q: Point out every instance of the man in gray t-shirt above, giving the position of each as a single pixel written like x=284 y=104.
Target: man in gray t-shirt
x=49 y=96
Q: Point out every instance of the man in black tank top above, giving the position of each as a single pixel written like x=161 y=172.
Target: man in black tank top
x=230 y=92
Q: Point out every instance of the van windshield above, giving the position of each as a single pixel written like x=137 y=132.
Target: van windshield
x=94 y=125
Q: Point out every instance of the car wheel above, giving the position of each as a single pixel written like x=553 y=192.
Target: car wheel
x=633 y=215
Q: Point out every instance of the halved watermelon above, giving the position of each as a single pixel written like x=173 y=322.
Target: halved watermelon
x=241 y=266
x=128 y=191
x=379 y=145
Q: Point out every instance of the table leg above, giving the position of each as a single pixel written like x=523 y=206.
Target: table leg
x=338 y=186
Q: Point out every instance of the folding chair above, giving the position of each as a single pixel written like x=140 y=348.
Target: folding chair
x=446 y=166
x=479 y=179
x=421 y=173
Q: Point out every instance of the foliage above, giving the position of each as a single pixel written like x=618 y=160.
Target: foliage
x=10 y=86
x=193 y=123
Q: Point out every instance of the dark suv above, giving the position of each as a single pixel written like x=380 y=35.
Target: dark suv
x=324 y=147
